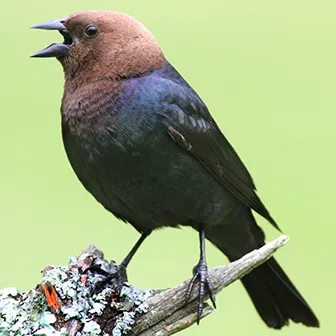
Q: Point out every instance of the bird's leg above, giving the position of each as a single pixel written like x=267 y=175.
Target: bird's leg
x=120 y=274
x=135 y=248
x=130 y=255
x=201 y=275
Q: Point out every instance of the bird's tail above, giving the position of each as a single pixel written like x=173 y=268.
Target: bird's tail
x=273 y=294
x=276 y=298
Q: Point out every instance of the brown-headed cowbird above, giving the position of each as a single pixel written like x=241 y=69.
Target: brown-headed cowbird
x=144 y=144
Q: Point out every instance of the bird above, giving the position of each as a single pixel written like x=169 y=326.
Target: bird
x=144 y=144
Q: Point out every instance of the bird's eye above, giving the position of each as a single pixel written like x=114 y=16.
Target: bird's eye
x=91 y=31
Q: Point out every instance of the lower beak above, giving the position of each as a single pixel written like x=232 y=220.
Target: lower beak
x=54 y=50
x=58 y=50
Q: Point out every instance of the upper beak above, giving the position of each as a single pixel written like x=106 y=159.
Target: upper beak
x=56 y=49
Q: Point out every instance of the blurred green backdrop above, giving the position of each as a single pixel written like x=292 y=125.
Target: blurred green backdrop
x=266 y=70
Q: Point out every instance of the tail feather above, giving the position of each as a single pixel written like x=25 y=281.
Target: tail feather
x=272 y=292
x=276 y=298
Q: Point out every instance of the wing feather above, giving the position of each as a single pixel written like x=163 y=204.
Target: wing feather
x=192 y=128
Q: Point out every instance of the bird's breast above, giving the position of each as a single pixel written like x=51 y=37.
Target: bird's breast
x=89 y=109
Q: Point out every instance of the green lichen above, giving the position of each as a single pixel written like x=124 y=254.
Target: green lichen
x=24 y=314
x=92 y=327
x=133 y=301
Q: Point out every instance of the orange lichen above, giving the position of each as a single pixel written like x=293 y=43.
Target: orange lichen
x=51 y=296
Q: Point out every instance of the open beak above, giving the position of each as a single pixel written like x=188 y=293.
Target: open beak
x=58 y=50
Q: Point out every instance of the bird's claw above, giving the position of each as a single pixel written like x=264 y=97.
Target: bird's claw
x=201 y=275
x=114 y=278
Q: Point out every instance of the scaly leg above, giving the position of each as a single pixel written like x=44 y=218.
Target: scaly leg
x=201 y=275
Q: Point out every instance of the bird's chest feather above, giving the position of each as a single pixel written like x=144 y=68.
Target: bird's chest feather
x=111 y=139
x=126 y=169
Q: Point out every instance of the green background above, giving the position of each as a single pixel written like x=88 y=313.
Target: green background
x=265 y=69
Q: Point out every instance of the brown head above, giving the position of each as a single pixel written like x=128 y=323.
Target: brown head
x=103 y=45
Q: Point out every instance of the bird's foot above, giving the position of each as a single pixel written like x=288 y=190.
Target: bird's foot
x=114 y=278
x=201 y=275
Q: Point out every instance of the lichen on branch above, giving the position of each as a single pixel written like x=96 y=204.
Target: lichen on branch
x=64 y=304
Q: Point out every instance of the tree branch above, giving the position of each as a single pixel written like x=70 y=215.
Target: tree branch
x=64 y=303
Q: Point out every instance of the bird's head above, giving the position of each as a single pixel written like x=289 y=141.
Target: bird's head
x=103 y=44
